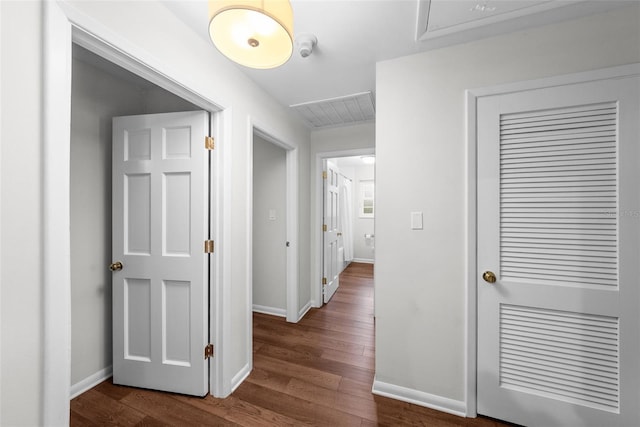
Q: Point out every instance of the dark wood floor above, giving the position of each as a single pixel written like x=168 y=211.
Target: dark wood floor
x=317 y=372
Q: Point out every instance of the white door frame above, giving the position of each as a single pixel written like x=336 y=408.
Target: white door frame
x=471 y=208
x=62 y=27
x=291 y=196
x=317 y=252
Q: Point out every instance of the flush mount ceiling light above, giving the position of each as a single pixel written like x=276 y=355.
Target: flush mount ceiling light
x=253 y=33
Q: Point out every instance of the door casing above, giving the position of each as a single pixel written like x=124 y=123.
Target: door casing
x=472 y=96
x=62 y=27
x=291 y=190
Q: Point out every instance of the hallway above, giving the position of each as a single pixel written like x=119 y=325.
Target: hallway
x=319 y=371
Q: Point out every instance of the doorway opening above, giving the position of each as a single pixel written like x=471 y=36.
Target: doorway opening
x=102 y=90
x=346 y=200
x=273 y=264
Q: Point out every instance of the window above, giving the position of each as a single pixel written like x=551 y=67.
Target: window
x=367 y=205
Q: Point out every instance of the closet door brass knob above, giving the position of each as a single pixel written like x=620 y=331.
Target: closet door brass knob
x=115 y=266
x=489 y=277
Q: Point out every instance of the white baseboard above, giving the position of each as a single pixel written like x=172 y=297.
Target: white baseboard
x=240 y=377
x=280 y=312
x=363 y=260
x=90 y=382
x=303 y=311
x=421 y=398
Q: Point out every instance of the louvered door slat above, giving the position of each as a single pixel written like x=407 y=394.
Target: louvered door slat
x=550 y=179
x=578 y=110
x=569 y=132
x=560 y=263
x=554 y=366
x=557 y=117
x=573 y=363
x=543 y=351
x=562 y=140
x=548 y=125
x=552 y=218
x=543 y=153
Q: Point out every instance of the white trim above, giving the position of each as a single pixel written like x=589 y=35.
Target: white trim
x=618 y=72
x=91 y=381
x=249 y=256
x=471 y=332
x=220 y=294
x=293 y=265
x=291 y=190
x=272 y=311
x=1 y=145
x=316 y=191
x=62 y=25
x=240 y=376
x=303 y=311
x=56 y=217
x=363 y=260
x=416 y=397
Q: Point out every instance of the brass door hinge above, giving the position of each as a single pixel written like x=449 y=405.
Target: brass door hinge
x=324 y=280
x=209 y=143
x=324 y=174
x=208 y=246
x=324 y=227
x=208 y=351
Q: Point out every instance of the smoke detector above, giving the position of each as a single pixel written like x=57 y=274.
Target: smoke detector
x=305 y=42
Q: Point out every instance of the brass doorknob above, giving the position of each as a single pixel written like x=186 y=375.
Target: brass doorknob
x=115 y=266
x=489 y=277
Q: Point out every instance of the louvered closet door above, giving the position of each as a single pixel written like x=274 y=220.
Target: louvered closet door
x=559 y=225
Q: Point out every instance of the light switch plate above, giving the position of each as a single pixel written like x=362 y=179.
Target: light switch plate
x=272 y=214
x=416 y=220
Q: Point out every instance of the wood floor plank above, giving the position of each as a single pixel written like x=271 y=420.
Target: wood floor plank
x=270 y=379
x=317 y=372
x=77 y=420
x=152 y=422
x=340 y=327
x=307 y=411
x=311 y=375
x=240 y=411
x=104 y=411
x=165 y=407
x=338 y=368
x=349 y=404
x=116 y=392
x=350 y=359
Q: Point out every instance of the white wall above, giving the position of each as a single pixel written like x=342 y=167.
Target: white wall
x=97 y=97
x=420 y=166
x=269 y=235
x=138 y=29
x=21 y=256
x=359 y=137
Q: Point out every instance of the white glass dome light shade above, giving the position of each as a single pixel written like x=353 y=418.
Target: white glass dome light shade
x=253 y=33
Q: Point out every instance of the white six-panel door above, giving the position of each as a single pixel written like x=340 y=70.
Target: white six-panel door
x=160 y=217
x=331 y=241
x=559 y=226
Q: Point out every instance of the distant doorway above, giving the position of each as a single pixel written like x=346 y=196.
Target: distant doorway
x=348 y=217
x=273 y=265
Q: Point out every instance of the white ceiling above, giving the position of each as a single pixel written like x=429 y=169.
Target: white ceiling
x=355 y=34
